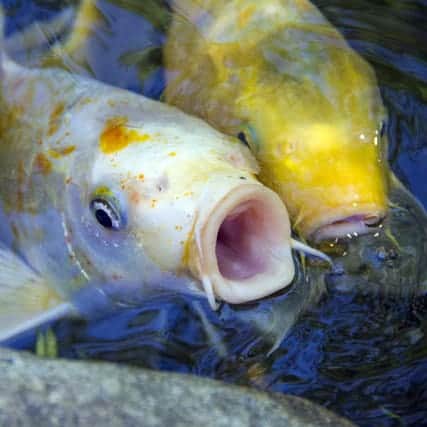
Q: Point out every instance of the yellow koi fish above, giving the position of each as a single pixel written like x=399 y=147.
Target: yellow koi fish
x=102 y=186
x=279 y=76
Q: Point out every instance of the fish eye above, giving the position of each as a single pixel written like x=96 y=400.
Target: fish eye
x=249 y=137
x=242 y=137
x=106 y=214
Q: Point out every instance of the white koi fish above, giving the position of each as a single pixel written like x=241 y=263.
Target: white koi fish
x=102 y=186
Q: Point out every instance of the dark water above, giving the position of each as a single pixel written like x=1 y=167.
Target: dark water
x=355 y=338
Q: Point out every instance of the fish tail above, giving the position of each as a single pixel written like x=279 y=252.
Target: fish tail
x=71 y=54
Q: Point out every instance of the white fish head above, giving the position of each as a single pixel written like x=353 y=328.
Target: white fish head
x=169 y=194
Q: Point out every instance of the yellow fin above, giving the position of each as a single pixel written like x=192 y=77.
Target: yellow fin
x=26 y=299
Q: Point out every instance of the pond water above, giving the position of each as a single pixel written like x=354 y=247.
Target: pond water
x=353 y=339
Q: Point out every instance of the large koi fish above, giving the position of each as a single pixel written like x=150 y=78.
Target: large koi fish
x=102 y=186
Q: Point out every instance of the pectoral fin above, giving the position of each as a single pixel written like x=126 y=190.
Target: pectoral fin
x=26 y=299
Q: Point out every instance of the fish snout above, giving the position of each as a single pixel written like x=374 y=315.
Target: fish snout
x=350 y=226
x=241 y=246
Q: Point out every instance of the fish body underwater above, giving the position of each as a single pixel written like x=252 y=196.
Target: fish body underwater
x=102 y=186
x=279 y=76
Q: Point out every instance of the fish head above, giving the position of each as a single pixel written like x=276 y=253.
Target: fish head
x=318 y=133
x=169 y=194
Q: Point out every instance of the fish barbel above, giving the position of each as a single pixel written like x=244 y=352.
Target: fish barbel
x=100 y=185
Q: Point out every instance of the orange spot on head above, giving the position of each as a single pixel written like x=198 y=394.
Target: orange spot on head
x=141 y=177
x=42 y=164
x=54 y=118
x=56 y=154
x=117 y=136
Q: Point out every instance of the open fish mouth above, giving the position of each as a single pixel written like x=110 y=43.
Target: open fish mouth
x=350 y=226
x=238 y=242
x=244 y=246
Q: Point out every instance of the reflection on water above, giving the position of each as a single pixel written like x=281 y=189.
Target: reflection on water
x=360 y=345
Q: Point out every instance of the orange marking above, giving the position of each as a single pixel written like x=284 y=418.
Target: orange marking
x=56 y=154
x=117 y=136
x=54 y=118
x=42 y=164
x=186 y=250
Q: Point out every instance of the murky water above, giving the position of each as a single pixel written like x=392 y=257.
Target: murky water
x=355 y=338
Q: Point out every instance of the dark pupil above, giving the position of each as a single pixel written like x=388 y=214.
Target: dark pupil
x=103 y=218
x=242 y=137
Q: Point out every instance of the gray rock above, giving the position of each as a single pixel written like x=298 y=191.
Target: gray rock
x=43 y=392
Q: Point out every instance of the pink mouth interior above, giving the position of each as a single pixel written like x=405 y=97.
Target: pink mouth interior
x=241 y=242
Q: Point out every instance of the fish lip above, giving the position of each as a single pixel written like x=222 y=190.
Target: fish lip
x=268 y=238
x=349 y=226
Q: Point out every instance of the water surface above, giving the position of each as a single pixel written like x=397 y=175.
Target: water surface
x=355 y=338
